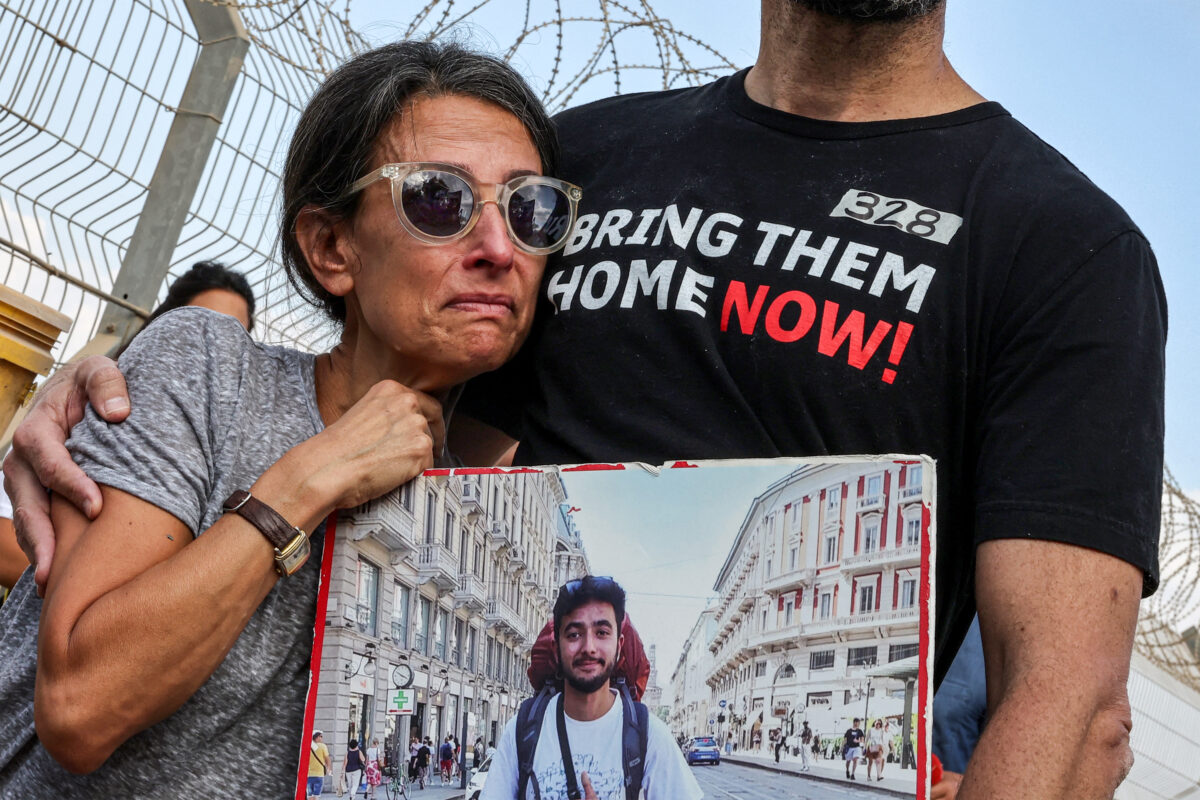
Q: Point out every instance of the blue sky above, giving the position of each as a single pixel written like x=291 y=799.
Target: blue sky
x=1110 y=84
x=665 y=537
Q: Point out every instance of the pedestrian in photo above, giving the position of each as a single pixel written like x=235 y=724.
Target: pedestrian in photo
x=318 y=765
x=352 y=766
x=424 y=753
x=477 y=752
x=446 y=759
x=852 y=748
x=780 y=744
x=806 y=747
x=876 y=749
x=374 y=771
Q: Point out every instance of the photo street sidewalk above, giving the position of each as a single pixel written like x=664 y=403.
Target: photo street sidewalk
x=896 y=782
x=432 y=791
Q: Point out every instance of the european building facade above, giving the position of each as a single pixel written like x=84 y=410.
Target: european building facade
x=442 y=586
x=820 y=593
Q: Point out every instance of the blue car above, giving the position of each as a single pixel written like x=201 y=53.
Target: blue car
x=702 y=750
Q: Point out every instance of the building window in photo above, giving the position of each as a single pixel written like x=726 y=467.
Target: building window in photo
x=866 y=599
x=400 y=615
x=862 y=656
x=368 y=596
x=820 y=659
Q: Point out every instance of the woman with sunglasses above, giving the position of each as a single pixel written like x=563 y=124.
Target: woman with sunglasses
x=177 y=625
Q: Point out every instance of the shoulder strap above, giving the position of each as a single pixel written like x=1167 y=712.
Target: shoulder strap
x=529 y=728
x=635 y=731
x=564 y=748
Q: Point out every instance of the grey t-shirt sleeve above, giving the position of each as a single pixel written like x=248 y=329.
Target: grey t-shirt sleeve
x=184 y=374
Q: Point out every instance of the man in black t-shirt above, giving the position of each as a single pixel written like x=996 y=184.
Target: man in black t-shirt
x=852 y=749
x=846 y=249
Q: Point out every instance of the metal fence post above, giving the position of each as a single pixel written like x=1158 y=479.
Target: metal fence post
x=223 y=46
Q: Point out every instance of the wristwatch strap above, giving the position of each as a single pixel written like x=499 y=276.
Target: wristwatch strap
x=287 y=539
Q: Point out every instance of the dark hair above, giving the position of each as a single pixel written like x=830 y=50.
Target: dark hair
x=353 y=743
x=339 y=129
x=202 y=277
x=588 y=589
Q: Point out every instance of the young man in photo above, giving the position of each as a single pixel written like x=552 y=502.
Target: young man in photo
x=587 y=622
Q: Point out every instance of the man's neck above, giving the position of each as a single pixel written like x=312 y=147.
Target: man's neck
x=583 y=707
x=823 y=67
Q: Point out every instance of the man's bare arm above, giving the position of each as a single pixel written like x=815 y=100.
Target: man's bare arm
x=1058 y=624
x=39 y=459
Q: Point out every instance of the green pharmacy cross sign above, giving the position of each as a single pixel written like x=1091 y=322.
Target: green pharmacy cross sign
x=402 y=701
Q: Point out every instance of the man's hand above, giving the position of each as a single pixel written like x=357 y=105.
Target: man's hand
x=588 y=792
x=39 y=460
x=947 y=788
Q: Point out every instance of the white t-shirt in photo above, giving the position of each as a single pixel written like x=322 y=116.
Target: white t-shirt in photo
x=595 y=749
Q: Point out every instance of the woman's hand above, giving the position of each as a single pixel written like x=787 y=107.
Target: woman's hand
x=384 y=440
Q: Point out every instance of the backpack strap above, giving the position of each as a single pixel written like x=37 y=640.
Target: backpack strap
x=529 y=728
x=635 y=731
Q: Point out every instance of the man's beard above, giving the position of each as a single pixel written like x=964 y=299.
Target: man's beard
x=873 y=10
x=593 y=684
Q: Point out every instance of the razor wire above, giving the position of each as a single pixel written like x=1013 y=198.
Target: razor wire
x=1167 y=631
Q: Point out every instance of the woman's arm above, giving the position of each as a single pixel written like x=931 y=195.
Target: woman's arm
x=138 y=614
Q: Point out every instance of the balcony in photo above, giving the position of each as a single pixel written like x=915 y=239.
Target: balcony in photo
x=385 y=520
x=499 y=535
x=790 y=581
x=873 y=619
x=436 y=564
x=905 y=555
x=870 y=502
x=470 y=593
x=782 y=638
x=472 y=497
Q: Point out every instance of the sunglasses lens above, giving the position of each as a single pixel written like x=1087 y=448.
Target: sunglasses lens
x=437 y=203
x=539 y=215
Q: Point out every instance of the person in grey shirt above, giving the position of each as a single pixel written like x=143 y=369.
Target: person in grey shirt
x=168 y=639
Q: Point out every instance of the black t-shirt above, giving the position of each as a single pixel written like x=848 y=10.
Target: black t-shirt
x=423 y=756
x=853 y=737
x=748 y=283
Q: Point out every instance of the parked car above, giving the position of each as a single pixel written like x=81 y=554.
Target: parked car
x=478 y=777
x=702 y=750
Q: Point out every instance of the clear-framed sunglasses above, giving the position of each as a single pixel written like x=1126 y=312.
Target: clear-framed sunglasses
x=438 y=203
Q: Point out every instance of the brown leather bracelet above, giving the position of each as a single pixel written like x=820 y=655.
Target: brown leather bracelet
x=290 y=543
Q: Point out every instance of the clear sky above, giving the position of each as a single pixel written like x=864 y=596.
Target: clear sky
x=664 y=538
x=1110 y=84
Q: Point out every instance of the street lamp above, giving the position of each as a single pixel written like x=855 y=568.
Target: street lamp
x=867 y=705
x=365 y=664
